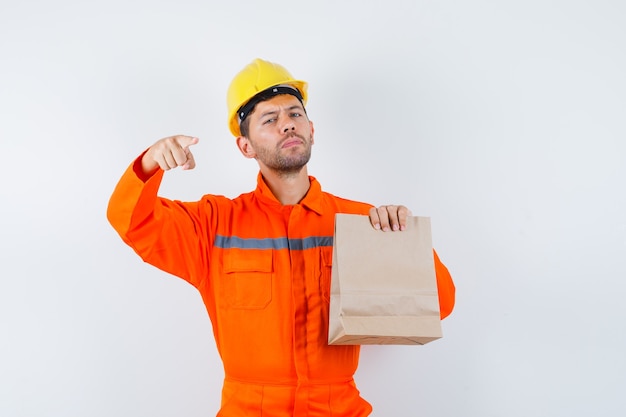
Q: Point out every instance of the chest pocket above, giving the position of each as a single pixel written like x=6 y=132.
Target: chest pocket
x=248 y=278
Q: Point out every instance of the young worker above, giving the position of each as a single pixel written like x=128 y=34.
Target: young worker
x=261 y=261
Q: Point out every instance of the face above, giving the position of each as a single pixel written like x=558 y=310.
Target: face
x=280 y=135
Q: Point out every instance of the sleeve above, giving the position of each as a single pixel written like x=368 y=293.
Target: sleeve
x=445 y=287
x=169 y=235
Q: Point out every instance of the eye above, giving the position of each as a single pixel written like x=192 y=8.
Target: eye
x=268 y=121
x=295 y=114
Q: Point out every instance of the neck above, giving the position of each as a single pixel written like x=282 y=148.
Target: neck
x=288 y=188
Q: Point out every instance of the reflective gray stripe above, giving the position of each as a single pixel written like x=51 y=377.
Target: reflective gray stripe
x=230 y=242
x=311 y=242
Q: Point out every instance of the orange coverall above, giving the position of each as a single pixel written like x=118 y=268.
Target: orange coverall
x=263 y=271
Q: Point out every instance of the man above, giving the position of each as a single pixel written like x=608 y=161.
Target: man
x=261 y=261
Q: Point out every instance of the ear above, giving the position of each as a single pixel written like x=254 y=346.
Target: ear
x=245 y=147
x=312 y=132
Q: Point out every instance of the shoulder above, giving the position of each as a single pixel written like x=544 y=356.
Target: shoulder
x=344 y=205
x=219 y=200
x=340 y=204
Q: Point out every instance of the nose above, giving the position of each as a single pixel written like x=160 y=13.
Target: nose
x=287 y=123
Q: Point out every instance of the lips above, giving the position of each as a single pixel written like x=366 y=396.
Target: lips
x=292 y=141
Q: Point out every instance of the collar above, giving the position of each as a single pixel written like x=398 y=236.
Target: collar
x=312 y=200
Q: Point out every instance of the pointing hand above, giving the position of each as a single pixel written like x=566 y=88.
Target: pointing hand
x=168 y=153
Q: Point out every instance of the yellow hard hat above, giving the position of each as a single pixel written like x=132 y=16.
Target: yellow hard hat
x=256 y=77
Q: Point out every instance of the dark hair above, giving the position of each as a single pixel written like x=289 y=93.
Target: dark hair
x=244 y=127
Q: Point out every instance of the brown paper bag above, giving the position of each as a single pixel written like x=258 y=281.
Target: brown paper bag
x=383 y=284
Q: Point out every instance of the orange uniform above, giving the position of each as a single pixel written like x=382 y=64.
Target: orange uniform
x=263 y=270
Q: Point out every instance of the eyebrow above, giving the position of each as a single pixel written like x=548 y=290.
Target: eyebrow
x=272 y=112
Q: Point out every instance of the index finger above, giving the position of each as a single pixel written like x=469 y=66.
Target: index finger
x=186 y=141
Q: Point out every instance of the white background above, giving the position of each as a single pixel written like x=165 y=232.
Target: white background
x=504 y=121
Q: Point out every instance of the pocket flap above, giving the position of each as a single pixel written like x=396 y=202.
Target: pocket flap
x=237 y=260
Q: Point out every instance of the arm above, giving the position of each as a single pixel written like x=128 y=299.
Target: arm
x=164 y=233
x=445 y=288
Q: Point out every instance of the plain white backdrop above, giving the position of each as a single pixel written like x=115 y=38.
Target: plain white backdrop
x=504 y=121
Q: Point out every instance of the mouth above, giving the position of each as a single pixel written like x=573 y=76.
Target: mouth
x=291 y=142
